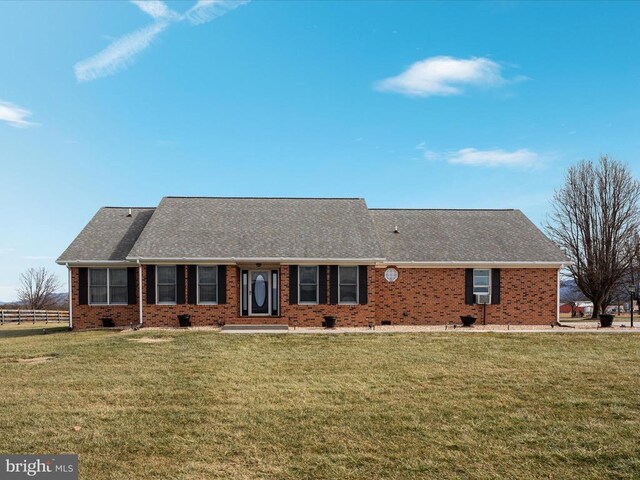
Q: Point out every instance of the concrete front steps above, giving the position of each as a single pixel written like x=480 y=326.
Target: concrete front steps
x=254 y=329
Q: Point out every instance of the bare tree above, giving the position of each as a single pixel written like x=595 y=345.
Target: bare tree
x=595 y=219
x=37 y=288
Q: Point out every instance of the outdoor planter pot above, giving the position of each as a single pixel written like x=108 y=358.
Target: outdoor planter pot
x=468 y=320
x=606 y=319
x=107 y=322
x=330 y=321
x=185 y=320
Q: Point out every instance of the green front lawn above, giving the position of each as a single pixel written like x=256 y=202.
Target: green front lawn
x=206 y=405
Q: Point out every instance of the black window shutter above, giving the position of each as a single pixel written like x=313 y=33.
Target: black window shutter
x=192 y=284
x=468 y=286
x=333 y=284
x=322 y=284
x=274 y=292
x=222 y=284
x=131 y=285
x=180 y=300
x=362 y=285
x=293 y=284
x=495 y=286
x=151 y=284
x=83 y=286
x=244 y=292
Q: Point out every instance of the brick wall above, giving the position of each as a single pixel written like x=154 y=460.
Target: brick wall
x=89 y=316
x=311 y=315
x=294 y=315
x=418 y=297
x=435 y=296
x=201 y=315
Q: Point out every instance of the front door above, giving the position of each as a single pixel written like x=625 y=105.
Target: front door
x=259 y=292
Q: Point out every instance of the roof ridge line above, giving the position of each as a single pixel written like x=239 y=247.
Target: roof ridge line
x=266 y=198
x=453 y=209
x=139 y=208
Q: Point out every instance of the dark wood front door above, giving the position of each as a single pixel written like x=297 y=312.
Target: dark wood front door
x=260 y=292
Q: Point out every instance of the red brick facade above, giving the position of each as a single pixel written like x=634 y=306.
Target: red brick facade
x=420 y=296
x=435 y=296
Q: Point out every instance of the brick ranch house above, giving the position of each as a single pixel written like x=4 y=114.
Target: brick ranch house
x=294 y=260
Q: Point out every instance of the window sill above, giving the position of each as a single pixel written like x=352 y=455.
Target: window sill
x=207 y=303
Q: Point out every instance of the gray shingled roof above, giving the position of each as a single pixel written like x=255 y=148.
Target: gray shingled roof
x=109 y=235
x=186 y=227
x=296 y=228
x=462 y=236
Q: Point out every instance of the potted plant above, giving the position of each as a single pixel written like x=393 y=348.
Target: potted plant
x=185 y=320
x=330 y=321
x=107 y=322
x=468 y=320
x=606 y=319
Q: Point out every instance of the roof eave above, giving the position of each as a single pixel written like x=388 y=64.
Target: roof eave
x=234 y=260
x=474 y=264
x=79 y=263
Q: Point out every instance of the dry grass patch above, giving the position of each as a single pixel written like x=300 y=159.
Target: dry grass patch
x=34 y=360
x=152 y=339
x=397 y=406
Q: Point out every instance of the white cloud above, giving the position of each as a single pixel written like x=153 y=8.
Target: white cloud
x=14 y=115
x=120 y=54
x=38 y=257
x=206 y=10
x=155 y=8
x=123 y=51
x=426 y=153
x=494 y=158
x=444 y=76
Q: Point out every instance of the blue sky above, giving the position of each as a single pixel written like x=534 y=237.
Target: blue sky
x=407 y=104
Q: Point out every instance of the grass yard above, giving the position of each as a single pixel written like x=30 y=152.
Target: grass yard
x=200 y=405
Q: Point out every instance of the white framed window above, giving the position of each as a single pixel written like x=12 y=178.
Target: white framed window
x=207 y=285
x=166 y=284
x=348 y=285
x=108 y=286
x=118 y=286
x=481 y=281
x=308 y=285
x=98 y=286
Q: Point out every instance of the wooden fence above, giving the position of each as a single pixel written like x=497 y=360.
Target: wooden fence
x=33 y=316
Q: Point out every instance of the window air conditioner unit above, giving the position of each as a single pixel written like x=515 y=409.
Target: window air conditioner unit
x=484 y=299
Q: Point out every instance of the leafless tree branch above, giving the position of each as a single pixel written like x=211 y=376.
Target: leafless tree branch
x=37 y=288
x=595 y=219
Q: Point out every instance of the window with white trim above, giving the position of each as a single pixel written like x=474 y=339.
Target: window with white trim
x=307 y=285
x=207 y=284
x=108 y=286
x=348 y=285
x=481 y=281
x=118 y=286
x=166 y=284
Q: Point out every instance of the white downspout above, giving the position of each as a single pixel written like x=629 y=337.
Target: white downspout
x=70 y=289
x=140 y=289
x=558 y=299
